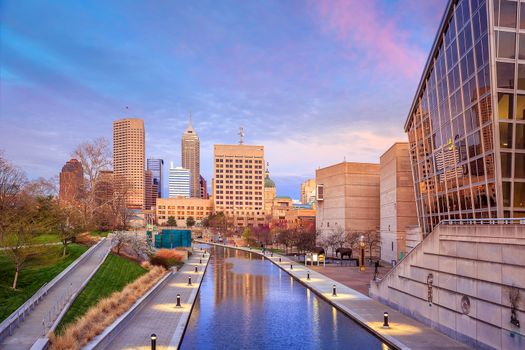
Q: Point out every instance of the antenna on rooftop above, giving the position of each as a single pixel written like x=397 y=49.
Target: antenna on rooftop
x=241 y=135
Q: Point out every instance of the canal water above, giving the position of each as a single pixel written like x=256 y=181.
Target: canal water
x=246 y=302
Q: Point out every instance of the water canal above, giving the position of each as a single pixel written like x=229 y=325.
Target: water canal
x=246 y=302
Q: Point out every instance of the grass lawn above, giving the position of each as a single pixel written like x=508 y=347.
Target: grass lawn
x=37 y=272
x=47 y=238
x=115 y=273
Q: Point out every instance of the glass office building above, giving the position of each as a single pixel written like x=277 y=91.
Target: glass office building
x=467 y=121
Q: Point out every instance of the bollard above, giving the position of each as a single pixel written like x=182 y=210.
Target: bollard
x=334 y=293
x=178 y=301
x=291 y=267
x=189 y=281
x=279 y=259
x=200 y=261
x=153 y=341
x=308 y=276
x=196 y=270
x=385 y=320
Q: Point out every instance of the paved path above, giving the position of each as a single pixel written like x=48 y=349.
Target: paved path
x=51 y=305
x=160 y=315
x=350 y=276
x=404 y=332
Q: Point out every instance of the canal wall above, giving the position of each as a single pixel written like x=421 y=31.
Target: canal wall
x=461 y=280
x=403 y=333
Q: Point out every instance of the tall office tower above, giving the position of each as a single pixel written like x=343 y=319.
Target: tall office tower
x=204 y=188
x=71 y=181
x=129 y=158
x=150 y=189
x=308 y=191
x=156 y=167
x=466 y=126
x=238 y=183
x=191 y=158
x=179 y=182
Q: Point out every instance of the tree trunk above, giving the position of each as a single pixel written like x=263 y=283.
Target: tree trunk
x=16 y=276
x=65 y=248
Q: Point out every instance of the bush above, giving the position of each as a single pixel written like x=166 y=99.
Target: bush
x=167 y=258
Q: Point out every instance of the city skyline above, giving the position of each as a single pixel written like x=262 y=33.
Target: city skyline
x=290 y=98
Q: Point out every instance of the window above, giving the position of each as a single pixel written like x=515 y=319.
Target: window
x=521 y=76
x=505 y=105
x=520 y=136
x=519 y=194
x=505 y=73
x=505 y=135
x=507 y=13
x=506 y=45
x=506 y=164
x=520 y=107
x=519 y=165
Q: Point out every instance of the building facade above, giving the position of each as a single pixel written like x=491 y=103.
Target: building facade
x=348 y=197
x=204 y=188
x=129 y=157
x=270 y=192
x=397 y=202
x=238 y=183
x=156 y=166
x=191 y=159
x=71 y=182
x=182 y=208
x=308 y=191
x=151 y=190
x=467 y=121
x=179 y=182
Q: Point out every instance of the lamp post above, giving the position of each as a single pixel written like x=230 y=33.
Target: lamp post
x=362 y=253
x=385 y=320
x=153 y=341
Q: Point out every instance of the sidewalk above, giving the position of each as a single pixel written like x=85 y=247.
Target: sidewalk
x=160 y=315
x=31 y=329
x=404 y=332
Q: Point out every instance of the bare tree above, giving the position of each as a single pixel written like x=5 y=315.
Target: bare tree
x=68 y=225
x=12 y=182
x=372 y=240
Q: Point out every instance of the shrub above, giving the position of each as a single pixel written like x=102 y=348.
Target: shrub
x=107 y=310
x=167 y=258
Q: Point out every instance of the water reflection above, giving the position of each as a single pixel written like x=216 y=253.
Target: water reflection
x=248 y=303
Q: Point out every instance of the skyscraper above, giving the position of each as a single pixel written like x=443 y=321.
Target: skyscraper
x=204 y=188
x=238 y=183
x=156 y=167
x=71 y=181
x=466 y=125
x=191 y=158
x=151 y=190
x=179 y=182
x=129 y=158
x=308 y=191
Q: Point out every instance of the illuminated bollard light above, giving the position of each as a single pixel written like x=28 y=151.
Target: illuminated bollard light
x=200 y=261
x=196 y=269
x=308 y=275
x=291 y=267
x=272 y=254
x=178 y=301
x=279 y=259
x=189 y=281
x=334 y=293
x=153 y=341
x=385 y=320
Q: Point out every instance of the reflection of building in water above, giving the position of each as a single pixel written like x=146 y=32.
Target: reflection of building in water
x=229 y=284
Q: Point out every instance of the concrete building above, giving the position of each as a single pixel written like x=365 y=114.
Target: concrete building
x=280 y=208
x=269 y=195
x=129 y=158
x=308 y=192
x=301 y=217
x=397 y=202
x=179 y=182
x=238 y=183
x=191 y=158
x=156 y=166
x=71 y=182
x=182 y=208
x=348 y=197
x=204 y=188
x=104 y=187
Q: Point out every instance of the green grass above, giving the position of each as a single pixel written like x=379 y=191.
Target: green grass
x=47 y=238
x=38 y=271
x=115 y=273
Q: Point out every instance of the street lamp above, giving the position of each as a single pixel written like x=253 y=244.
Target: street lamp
x=153 y=341
x=362 y=253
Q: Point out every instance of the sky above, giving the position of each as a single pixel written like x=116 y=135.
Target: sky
x=315 y=82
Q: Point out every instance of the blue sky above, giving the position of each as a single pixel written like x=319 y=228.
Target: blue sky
x=315 y=82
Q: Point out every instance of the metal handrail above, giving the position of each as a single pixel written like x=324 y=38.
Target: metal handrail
x=484 y=221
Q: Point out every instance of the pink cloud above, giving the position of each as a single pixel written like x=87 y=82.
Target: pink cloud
x=364 y=29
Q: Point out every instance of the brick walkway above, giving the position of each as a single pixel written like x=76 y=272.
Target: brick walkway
x=160 y=315
x=31 y=329
x=404 y=332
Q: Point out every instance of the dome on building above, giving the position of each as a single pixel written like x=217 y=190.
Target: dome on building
x=267 y=181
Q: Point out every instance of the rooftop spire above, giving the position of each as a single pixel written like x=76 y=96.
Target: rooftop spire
x=189 y=129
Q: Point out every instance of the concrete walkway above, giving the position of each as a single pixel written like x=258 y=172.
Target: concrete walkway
x=53 y=303
x=160 y=315
x=404 y=332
